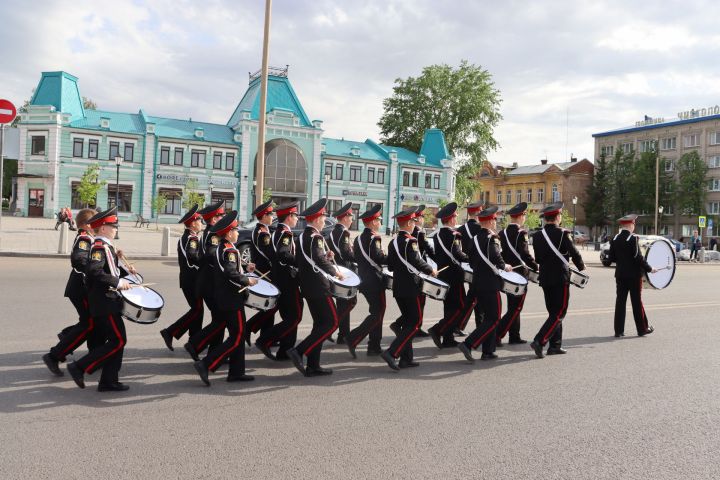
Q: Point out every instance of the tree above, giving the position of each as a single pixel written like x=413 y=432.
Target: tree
x=619 y=184
x=9 y=171
x=158 y=205
x=692 y=184
x=532 y=220
x=90 y=185
x=89 y=104
x=267 y=195
x=462 y=102
x=597 y=193
x=191 y=196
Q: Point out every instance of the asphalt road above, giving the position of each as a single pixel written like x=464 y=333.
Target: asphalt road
x=632 y=408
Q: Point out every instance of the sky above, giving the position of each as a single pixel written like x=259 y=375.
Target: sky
x=565 y=69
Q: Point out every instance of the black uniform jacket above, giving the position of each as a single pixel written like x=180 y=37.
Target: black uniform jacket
x=79 y=257
x=313 y=284
x=552 y=270
x=209 y=245
x=339 y=242
x=284 y=271
x=518 y=238
x=468 y=231
x=370 y=277
x=189 y=256
x=405 y=282
x=449 y=240
x=102 y=273
x=229 y=277
x=484 y=277
x=426 y=249
x=625 y=252
x=261 y=249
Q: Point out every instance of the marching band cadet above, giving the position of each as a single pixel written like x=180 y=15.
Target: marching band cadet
x=339 y=242
x=370 y=258
x=189 y=256
x=554 y=277
x=405 y=262
x=76 y=292
x=212 y=334
x=261 y=254
x=313 y=259
x=230 y=295
x=103 y=275
x=514 y=241
x=467 y=232
x=485 y=259
x=285 y=278
x=449 y=257
x=630 y=266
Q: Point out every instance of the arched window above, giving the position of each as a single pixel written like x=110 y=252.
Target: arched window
x=285 y=168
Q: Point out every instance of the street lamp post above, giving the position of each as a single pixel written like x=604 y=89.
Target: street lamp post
x=253 y=194
x=118 y=162
x=574 y=200
x=659 y=228
x=210 y=186
x=327 y=185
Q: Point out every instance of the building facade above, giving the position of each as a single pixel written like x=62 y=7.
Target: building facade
x=692 y=130
x=538 y=185
x=59 y=139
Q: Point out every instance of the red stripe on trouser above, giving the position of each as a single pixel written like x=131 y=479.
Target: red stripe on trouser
x=121 y=343
x=642 y=307
x=212 y=335
x=415 y=329
x=558 y=317
x=257 y=323
x=238 y=339
x=298 y=319
x=378 y=321
x=514 y=316
x=329 y=332
x=468 y=312
x=490 y=329
x=445 y=325
x=80 y=338
x=184 y=326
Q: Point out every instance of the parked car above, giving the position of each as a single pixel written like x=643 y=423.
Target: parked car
x=605 y=247
x=245 y=234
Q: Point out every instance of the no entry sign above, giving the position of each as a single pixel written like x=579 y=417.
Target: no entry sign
x=7 y=111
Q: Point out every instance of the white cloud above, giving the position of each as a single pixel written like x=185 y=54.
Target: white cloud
x=649 y=37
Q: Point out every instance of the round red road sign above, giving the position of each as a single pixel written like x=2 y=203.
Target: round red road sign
x=7 y=111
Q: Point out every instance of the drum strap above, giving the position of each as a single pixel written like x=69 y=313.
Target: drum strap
x=552 y=247
x=335 y=247
x=312 y=263
x=442 y=245
x=184 y=252
x=240 y=269
x=409 y=267
x=258 y=249
x=77 y=239
x=367 y=257
x=512 y=249
x=482 y=255
x=292 y=246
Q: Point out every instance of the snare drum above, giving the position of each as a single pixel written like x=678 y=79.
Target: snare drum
x=387 y=278
x=433 y=287
x=263 y=295
x=578 y=278
x=533 y=276
x=467 y=272
x=513 y=283
x=347 y=287
x=141 y=304
x=659 y=254
x=135 y=278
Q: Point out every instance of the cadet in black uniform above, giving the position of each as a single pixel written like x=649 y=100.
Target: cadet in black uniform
x=515 y=251
x=285 y=278
x=630 y=265
x=554 y=277
x=449 y=256
x=212 y=333
x=229 y=280
x=405 y=262
x=468 y=230
x=370 y=258
x=486 y=260
x=261 y=254
x=339 y=242
x=76 y=292
x=189 y=255
x=103 y=274
x=313 y=259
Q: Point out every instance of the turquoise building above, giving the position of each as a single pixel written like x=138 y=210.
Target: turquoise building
x=59 y=139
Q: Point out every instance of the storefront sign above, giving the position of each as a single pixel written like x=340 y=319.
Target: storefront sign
x=699 y=112
x=354 y=193
x=183 y=179
x=176 y=179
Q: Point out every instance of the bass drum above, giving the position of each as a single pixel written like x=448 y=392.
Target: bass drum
x=141 y=305
x=660 y=255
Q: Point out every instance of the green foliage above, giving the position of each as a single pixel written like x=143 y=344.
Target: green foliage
x=90 y=185
x=532 y=220
x=596 y=211
x=191 y=196
x=158 y=204
x=9 y=171
x=267 y=195
x=88 y=104
x=691 y=186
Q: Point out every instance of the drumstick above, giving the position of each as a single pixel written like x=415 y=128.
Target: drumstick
x=518 y=266
x=125 y=259
x=133 y=285
x=446 y=266
x=261 y=276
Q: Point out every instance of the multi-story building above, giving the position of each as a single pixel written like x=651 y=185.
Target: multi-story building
x=537 y=185
x=692 y=130
x=59 y=138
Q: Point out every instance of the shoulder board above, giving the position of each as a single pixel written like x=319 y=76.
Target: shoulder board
x=98 y=244
x=215 y=240
x=228 y=245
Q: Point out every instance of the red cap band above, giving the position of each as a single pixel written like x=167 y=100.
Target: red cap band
x=551 y=213
x=370 y=219
x=474 y=210
x=315 y=215
x=489 y=217
x=102 y=221
x=262 y=213
x=193 y=218
x=405 y=218
x=447 y=219
x=287 y=211
x=228 y=228
x=349 y=212
x=209 y=215
x=627 y=221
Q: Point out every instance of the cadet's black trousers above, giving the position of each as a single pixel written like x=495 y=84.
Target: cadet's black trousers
x=510 y=322
x=488 y=307
x=344 y=307
x=233 y=346
x=411 y=315
x=325 y=322
x=109 y=330
x=75 y=335
x=557 y=298
x=634 y=287
x=290 y=306
x=456 y=308
x=372 y=325
x=191 y=321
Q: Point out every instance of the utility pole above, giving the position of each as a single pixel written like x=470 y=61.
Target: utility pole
x=260 y=159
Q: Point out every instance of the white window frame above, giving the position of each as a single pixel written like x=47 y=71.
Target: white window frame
x=668 y=143
x=499 y=197
x=715 y=138
x=541 y=194
x=714 y=161
x=626 y=147
x=669 y=165
x=378 y=174
x=688 y=138
x=713 y=208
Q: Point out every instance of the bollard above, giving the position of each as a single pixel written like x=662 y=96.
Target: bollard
x=63 y=241
x=165 y=249
x=701 y=255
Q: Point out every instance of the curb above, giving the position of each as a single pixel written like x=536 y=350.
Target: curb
x=67 y=255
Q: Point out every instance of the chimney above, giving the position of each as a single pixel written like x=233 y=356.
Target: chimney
x=515 y=165
x=573 y=158
x=543 y=161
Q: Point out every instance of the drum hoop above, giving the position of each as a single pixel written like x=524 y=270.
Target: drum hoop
x=672 y=250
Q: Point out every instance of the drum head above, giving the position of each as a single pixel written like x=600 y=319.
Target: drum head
x=660 y=255
x=135 y=278
x=513 y=277
x=431 y=262
x=466 y=267
x=264 y=288
x=144 y=297
x=433 y=280
x=351 y=279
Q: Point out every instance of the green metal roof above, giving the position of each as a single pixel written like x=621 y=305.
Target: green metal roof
x=60 y=90
x=280 y=96
x=185 y=129
x=119 y=122
x=369 y=150
x=434 y=147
